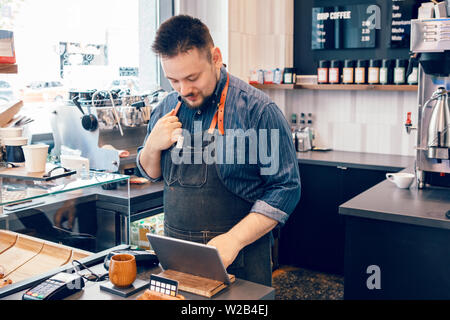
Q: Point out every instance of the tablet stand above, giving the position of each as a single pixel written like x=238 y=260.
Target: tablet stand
x=195 y=284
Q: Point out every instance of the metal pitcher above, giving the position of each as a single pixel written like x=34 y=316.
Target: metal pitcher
x=438 y=140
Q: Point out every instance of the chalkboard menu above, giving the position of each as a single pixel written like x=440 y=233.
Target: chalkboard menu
x=401 y=13
x=344 y=27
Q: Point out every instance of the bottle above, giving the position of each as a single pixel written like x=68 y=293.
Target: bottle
x=334 y=75
x=400 y=71
x=348 y=72
x=322 y=71
x=413 y=77
x=311 y=133
x=386 y=72
x=294 y=128
x=289 y=75
x=361 y=72
x=373 y=76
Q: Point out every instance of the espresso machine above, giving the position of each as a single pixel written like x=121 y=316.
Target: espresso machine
x=430 y=45
x=106 y=127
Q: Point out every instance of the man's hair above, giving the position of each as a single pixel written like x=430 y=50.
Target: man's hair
x=180 y=34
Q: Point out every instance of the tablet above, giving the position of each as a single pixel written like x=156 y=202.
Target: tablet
x=188 y=257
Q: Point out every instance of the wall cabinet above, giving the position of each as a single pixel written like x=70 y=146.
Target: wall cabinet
x=314 y=235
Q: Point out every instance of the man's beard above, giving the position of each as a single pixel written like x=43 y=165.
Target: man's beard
x=205 y=102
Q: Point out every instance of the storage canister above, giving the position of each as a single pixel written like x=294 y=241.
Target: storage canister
x=361 y=72
x=373 y=75
x=400 y=71
x=322 y=71
x=386 y=71
x=334 y=74
x=348 y=72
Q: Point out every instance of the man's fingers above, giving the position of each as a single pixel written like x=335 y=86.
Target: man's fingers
x=175 y=125
x=171 y=119
x=170 y=113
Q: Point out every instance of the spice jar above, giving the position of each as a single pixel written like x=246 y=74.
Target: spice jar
x=322 y=71
x=400 y=71
x=348 y=72
x=361 y=72
x=373 y=74
x=386 y=72
x=334 y=72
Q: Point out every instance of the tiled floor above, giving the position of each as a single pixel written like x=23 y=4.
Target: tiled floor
x=292 y=283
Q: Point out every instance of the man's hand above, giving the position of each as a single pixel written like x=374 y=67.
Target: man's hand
x=165 y=133
x=247 y=231
x=227 y=246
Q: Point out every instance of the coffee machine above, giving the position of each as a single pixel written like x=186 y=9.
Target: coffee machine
x=430 y=45
x=101 y=125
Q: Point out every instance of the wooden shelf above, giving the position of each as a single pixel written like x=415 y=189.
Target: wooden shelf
x=376 y=87
x=8 y=68
x=273 y=86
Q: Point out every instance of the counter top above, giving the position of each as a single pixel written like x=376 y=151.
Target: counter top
x=359 y=160
x=384 y=201
x=239 y=290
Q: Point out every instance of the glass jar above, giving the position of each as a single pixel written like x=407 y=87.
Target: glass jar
x=348 y=72
x=373 y=74
x=322 y=71
x=289 y=75
x=334 y=74
x=400 y=71
x=361 y=72
x=413 y=77
x=386 y=72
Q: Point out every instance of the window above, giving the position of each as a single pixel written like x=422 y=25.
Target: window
x=69 y=45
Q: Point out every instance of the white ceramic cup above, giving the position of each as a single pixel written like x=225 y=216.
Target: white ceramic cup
x=35 y=157
x=401 y=179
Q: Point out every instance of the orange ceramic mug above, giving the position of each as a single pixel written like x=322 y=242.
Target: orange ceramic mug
x=122 y=270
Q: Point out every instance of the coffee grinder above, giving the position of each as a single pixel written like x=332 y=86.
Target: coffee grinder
x=430 y=45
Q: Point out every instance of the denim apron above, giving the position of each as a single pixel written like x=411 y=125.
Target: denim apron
x=198 y=207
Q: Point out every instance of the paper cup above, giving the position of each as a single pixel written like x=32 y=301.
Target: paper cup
x=35 y=157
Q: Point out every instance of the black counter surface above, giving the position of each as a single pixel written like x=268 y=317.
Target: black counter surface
x=356 y=160
x=424 y=207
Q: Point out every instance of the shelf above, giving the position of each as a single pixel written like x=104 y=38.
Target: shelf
x=412 y=88
x=376 y=87
x=14 y=191
x=8 y=68
x=273 y=86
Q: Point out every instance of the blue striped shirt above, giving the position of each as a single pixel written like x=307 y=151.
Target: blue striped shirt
x=268 y=176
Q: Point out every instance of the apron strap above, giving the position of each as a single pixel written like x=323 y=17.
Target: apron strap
x=218 y=116
x=174 y=112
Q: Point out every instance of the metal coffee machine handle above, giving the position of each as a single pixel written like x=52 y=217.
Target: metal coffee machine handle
x=115 y=113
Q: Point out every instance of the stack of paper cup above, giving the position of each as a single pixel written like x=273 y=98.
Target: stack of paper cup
x=9 y=135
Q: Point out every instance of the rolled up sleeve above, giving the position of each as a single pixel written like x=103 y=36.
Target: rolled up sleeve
x=281 y=177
